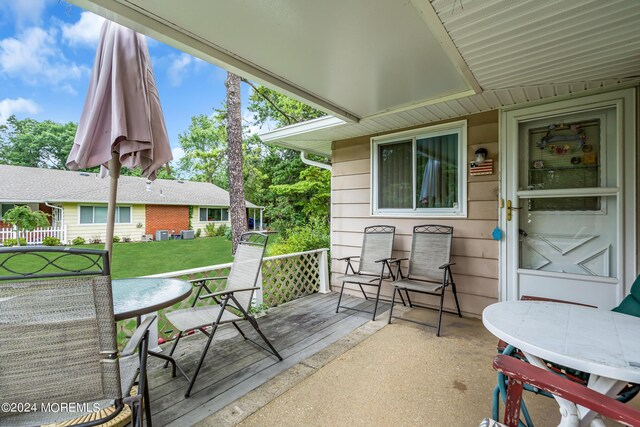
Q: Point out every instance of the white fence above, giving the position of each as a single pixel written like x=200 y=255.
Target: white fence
x=36 y=236
x=282 y=278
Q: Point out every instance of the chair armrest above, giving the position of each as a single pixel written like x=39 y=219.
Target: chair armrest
x=385 y=260
x=228 y=291
x=204 y=279
x=137 y=336
x=447 y=264
x=348 y=258
x=528 y=374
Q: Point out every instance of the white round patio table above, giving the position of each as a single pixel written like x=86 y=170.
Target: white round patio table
x=603 y=343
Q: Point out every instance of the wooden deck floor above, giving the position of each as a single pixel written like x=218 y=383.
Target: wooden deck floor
x=235 y=366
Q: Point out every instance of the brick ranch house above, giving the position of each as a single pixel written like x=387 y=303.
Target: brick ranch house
x=77 y=203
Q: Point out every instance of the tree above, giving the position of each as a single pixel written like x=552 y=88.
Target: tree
x=237 y=208
x=267 y=105
x=29 y=142
x=296 y=192
x=23 y=218
x=310 y=194
x=205 y=148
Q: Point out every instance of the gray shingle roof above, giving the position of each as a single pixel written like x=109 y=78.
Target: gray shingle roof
x=24 y=184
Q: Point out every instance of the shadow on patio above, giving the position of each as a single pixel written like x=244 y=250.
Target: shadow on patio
x=338 y=369
x=298 y=329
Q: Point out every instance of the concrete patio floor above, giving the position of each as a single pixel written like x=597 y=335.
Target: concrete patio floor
x=383 y=375
x=387 y=375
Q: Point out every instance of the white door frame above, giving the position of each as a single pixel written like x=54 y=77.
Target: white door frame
x=624 y=101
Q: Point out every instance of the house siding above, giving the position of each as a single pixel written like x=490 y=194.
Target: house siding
x=474 y=251
x=92 y=231
x=166 y=217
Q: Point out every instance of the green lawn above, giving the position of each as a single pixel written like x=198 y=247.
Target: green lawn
x=142 y=259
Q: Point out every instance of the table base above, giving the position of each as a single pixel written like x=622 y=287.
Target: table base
x=575 y=415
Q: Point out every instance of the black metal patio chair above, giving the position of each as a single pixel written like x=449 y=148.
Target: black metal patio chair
x=232 y=303
x=374 y=263
x=58 y=341
x=429 y=269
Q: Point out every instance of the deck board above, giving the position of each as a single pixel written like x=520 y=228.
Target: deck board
x=234 y=366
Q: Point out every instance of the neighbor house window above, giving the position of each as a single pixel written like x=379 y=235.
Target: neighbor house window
x=4 y=207
x=420 y=172
x=214 y=214
x=98 y=214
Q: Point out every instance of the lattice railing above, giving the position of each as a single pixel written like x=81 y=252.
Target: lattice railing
x=286 y=278
x=283 y=279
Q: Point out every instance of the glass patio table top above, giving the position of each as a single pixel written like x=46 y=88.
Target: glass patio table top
x=137 y=296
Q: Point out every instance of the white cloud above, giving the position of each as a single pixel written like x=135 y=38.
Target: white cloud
x=34 y=58
x=85 y=32
x=25 y=12
x=250 y=128
x=16 y=106
x=178 y=153
x=179 y=68
x=68 y=89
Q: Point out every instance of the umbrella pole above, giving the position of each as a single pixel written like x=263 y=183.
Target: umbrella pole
x=114 y=174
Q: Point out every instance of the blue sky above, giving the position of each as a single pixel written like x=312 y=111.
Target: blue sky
x=47 y=48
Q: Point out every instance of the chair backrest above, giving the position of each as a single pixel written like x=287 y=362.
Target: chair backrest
x=631 y=303
x=246 y=266
x=377 y=244
x=430 y=248
x=58 y=340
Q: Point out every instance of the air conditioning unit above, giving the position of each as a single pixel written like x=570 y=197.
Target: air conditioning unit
x=187 y=234
x=162 y=234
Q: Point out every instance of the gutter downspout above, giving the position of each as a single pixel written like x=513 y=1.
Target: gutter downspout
x=306 y=161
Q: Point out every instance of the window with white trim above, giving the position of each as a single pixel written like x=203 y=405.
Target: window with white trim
x=420 y=172
x=214 y=214
x=98 y=215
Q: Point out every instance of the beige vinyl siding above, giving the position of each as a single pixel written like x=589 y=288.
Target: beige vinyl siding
x=196 y=223
x=91 y=231
x=474 y=251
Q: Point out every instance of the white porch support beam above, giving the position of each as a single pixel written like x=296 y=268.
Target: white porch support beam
x=129 y=15
x=323 y=268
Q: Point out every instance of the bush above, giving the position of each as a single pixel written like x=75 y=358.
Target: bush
x=228 y=232
x=14 y=242
x=116 y=239
x=198 y=232
x=79 y=241
x=51 y=241
x=96 y=239
x=304 y=238
x=210 y=229
x=213 y=231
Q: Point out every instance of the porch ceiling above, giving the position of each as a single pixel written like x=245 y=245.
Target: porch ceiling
x=381 y=65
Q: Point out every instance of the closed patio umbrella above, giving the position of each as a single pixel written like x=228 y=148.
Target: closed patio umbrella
x=122 y=121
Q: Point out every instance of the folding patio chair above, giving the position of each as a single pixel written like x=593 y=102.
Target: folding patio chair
x=522 y=374
x=429 y=269
x=374 y=259
x=232 y=303
x=58 y=341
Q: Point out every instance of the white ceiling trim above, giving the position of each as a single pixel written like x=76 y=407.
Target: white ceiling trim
x=130 y=15
x=321 y=137
x=431 y=19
